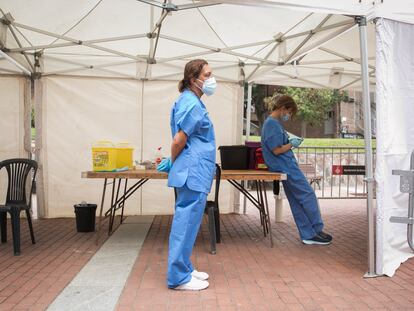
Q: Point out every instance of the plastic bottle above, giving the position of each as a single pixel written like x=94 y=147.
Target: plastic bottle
x=158 y=156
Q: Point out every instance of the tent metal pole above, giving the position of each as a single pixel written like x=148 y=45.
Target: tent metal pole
x=181 y=57
x=248 y=120
x=300 y=79
x=260 y=64
x=322 y=42
x=307 y=38
x=43 y=47
x=199 y=45
x=347 y=58
x=330 y=61
x=82 y=67
x=59 y=45
x=20 y=45
x=248 y=110
x=248 y=45
x=265 y=61
x=316 y=30
x=280 y=38
x=78 y=42
x=355 y=81
x=9 y=71
x=362 y=23
x=15 y=62
x=3 y=35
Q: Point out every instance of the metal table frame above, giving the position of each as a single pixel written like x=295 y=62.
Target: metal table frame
x=118 y=199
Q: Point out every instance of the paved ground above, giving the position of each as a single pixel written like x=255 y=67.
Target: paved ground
x=246 y=274
x=32 y=280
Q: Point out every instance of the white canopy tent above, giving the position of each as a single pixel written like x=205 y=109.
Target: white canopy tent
x=84 y=56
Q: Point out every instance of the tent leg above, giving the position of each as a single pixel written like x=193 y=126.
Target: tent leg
x=362 y=22
x=248 y=110
x=42 y=211
x=248 y=120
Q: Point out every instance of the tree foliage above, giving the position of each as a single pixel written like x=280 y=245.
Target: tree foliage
x=313 y=104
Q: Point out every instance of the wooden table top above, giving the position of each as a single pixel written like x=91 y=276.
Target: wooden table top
x=154 y=174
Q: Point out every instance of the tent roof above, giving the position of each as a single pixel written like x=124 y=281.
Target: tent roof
x=272 y=42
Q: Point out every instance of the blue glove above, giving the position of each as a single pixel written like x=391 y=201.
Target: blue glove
x=295 y=141
x=165 y=165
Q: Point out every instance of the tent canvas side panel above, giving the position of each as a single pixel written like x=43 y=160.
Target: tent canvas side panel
x=79 y=111
x=395 y=138
x=76 y=113
x=11 y=124
x=159 y=97
x=157 y=101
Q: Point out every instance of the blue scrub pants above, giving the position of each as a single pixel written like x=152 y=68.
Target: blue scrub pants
x=303 y=204
x=189 y=210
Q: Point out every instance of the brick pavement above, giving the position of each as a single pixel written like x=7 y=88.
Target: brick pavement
x=246 y=274
x=32 y=280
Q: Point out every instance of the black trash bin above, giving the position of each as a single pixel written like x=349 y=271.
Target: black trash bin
x=85 y=217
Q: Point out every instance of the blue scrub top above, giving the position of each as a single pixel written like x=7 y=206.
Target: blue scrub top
x=195 y=165
x=274 y=135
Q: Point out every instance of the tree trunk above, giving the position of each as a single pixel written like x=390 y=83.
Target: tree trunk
x=303 y=125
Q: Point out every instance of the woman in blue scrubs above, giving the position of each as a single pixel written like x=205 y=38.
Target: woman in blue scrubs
x=191 y=171
x=278 y=155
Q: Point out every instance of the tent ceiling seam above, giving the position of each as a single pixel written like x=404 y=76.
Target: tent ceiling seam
x=79 y=21
x=211 y=27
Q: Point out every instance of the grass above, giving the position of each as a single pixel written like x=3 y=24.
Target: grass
x=33 y=133
x=327 y=142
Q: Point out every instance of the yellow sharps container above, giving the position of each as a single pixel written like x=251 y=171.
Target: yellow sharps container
x=104 y=155
x=124 y=155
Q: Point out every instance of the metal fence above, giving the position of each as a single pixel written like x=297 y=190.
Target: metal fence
x=317 y=163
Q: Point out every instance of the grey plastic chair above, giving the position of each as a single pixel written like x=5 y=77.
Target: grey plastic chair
x=18 y=171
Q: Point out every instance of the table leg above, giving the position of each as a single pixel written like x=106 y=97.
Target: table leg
x=260 y=205
x=111 y=211
x=114 y=205
x=100 y=211
x=259 y=202
x=267 y=212
x=123 y=202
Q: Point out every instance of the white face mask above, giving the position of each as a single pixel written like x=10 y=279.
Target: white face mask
x=209 y=86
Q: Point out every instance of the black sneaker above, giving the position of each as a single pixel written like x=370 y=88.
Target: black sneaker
x=325 y=235
x=316 y=240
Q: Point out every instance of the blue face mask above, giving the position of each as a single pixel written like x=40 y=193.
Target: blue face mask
x=285 y=117
x=209 y=86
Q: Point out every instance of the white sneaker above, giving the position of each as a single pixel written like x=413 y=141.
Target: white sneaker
x=194 y=284
x=200 y=275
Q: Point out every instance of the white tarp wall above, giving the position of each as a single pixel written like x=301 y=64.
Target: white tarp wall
x=395 y=138
x=12 y=124
x=79 y=111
